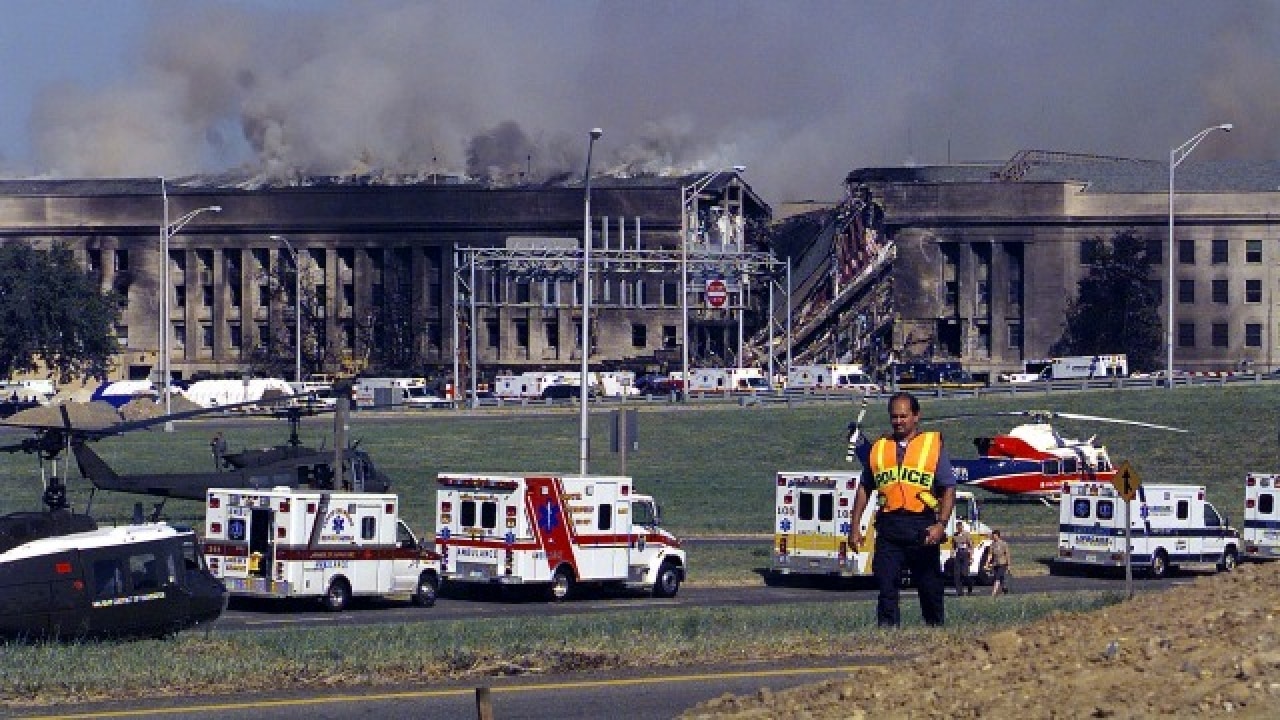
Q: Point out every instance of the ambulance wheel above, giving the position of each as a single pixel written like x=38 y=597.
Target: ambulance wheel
x=1159 y=565
x=561 y=588
x=667 y=583
x=1229 y=560
x=339 y=595
x=428 y=588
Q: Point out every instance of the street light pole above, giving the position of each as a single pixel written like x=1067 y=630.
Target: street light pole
x=167 y=231
x=689 y=196
x=584 y=395
x=297 y=308
x=1176 y=156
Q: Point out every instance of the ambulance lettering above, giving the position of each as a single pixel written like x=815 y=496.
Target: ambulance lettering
x=555 y=536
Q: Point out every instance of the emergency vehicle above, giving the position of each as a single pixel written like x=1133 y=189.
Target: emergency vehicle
x=290 y=543
x=812 y=516
x=1261 y=517
x=558 y=531
x=831 y=376
x=725 y=380
x=1171 y=525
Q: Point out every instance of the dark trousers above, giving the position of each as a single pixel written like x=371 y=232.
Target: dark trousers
x=960 y=573
x=899 y=545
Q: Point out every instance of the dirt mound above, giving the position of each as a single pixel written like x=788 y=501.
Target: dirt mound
x=1208 y=648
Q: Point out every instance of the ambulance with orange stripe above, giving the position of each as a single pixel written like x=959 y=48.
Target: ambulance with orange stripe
x=291 y=543
x=554 y=530
x=813 y=512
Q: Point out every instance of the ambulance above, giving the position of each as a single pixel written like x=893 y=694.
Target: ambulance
x=554 y=531
x=1171 y=525
x=296 y=543
x=1261 y=517
x=812 y=516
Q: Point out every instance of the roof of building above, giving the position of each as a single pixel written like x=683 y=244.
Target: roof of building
x=1099 y=174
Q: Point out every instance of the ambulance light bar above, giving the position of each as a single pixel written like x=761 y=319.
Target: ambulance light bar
x=808 y=480
x=477 y=482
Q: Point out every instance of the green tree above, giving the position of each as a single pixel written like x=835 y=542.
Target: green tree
x=52 y=313
x=1116 y=309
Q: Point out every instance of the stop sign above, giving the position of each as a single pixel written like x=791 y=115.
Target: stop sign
x=717 y=293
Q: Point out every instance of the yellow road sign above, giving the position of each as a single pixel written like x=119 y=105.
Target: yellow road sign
x=1126 y=481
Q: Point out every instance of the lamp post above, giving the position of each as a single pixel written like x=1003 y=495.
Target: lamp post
x=689 y=196
x=584 y=394
x=167 y=231
x=297 y=308
x=1176 y=156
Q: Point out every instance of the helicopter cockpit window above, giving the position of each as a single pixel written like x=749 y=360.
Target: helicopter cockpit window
x=1080 y=508
x=1106 y=509
x=1052 y=467
x=108 y=578
x=145 y=570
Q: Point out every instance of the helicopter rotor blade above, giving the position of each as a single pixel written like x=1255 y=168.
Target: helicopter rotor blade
x=1119 y=421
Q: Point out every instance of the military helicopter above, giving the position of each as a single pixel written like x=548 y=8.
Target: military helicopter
x=1033 y=460
x=290 y=464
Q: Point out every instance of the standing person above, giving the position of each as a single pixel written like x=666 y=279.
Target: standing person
x=218 y=447
x=917 y=489
x=960 y=576
x=999 y=560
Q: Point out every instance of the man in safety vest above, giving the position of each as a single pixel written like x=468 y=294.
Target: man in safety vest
x=912 y=473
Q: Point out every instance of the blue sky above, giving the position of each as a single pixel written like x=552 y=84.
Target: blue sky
x=800 y=91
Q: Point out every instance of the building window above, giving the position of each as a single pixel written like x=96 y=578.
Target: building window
x=1186 y=291
x=1015 y=336
x=233 y=291
x=180 y=296
x=522 y=333
x=235 y=336
x=1218 y=335
x=669 y=336
x=1253 y=335
x=1253 y=291
x=639 y=335
x=552 y=330
x=1089 y=251
x=264 y=296
x=206 y=296
x=1155 y=250
x=180 y=335
x=1186 y=335
x=122 y=260
x=1220 y=291
x=206 y=336
x=264 y=335
x=1187 y=252
x=492 y=334
x=1015 y=290
x=1219 y=252
x=671 y=293
x=1253 y=251
x=522 y=291
x=951 y=294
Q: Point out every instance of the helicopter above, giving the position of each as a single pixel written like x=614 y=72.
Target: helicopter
x=290 y=464
x=1033 y=460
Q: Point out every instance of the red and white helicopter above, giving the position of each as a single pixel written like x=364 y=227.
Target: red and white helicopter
x=1034 y=460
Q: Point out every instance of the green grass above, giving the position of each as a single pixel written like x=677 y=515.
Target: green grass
x=711 y=467
x=319 y=657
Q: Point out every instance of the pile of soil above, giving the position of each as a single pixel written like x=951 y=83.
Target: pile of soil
x=1208 y=648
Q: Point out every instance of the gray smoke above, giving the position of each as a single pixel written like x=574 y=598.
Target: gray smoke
x=800 y=92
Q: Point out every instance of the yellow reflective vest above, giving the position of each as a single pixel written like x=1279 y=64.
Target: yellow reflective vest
x=906 y=486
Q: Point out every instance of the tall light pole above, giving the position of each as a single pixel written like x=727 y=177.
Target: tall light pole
x=297 y=308
x=1176 y=156
x=167 y=231
x=689 y=196
x=584 y=394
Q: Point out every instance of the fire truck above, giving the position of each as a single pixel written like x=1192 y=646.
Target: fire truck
x=813 y=513
x=552 y=530
x=1261 y=517
x=1171 y=526
x=291 y=543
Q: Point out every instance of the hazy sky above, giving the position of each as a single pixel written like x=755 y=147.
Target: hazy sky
x=799 y=92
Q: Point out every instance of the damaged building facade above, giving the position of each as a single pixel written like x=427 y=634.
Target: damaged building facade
x=976 y=263
x=376 y=277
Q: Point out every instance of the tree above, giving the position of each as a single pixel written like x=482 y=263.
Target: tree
x=1115 y=310
x=52 y=313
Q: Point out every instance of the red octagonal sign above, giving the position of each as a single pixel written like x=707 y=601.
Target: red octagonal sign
x=717 y=293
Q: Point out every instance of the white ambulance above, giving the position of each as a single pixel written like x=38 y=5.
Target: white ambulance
x=812 y=516
x=1171 y=525
x=290 y=543
x=1261 y=517
x=555 y=530
x=727 y=380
